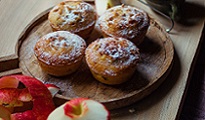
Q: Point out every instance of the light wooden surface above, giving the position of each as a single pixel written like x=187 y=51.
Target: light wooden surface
x=162 y=104
x=15 y=16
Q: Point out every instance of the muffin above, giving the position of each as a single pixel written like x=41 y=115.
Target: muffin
x=60 y=53
x=74 y=16
x=112 y=60
x=124 y=21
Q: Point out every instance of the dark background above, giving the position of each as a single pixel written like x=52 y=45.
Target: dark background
x=194 y=104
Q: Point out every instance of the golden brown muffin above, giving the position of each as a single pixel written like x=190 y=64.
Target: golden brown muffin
x=112 y=60
x=60 y=53
x=75 y=16
x=125 y=21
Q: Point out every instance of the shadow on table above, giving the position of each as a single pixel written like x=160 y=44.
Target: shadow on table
x=190 y=13
x=155 y=97
x=194 y=104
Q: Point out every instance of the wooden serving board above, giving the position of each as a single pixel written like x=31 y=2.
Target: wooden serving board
x=157 y=53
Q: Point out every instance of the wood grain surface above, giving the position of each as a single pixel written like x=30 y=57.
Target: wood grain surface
x=165 y=102
x=157 y=53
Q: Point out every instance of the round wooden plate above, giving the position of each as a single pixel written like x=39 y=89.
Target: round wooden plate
x=156 y=60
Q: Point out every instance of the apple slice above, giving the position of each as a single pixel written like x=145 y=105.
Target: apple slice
x=4 y=113
x=103 y=5
x=12 y=97
x=80 y=109
x=53 y=89
x=39 y=95
x=8 y=82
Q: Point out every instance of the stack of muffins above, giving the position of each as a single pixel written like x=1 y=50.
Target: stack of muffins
x=112 y=59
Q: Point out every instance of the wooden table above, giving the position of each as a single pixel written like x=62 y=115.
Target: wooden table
x=165 y=102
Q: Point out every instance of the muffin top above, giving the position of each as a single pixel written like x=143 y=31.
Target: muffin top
x=60 y=48
x=111 y=55
x=73 y=16
x=124 y=21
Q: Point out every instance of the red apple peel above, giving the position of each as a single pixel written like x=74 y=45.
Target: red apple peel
x=41 y=97
x=53 y=89
x=12 y=97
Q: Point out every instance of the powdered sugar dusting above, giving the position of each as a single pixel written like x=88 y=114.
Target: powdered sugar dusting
x=125 y=21
x=116 y=53
x=73 y=16
x=61 y=46
x=121 y=51
x=73 y=13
